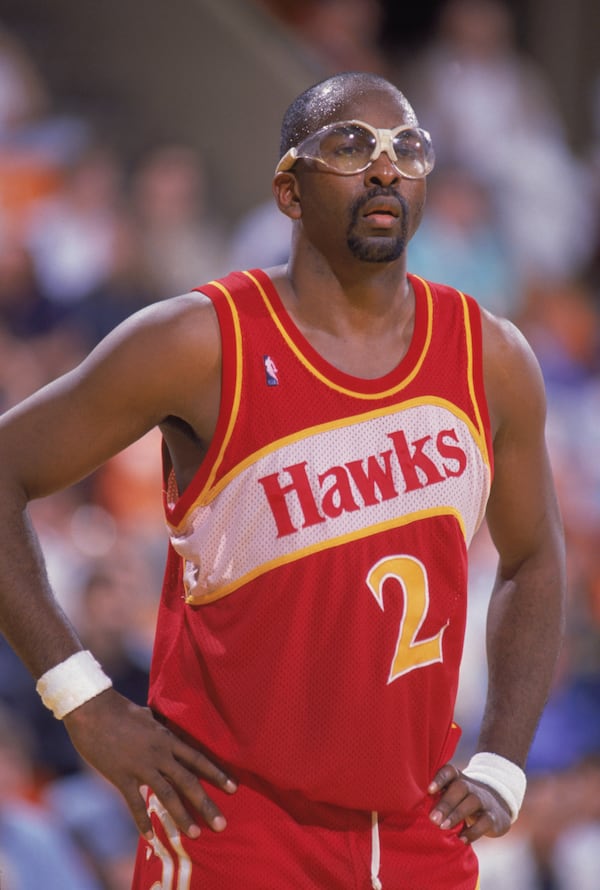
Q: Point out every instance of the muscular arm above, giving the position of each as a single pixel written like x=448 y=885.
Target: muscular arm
x=526 y=612
x=132 y=382
x=59 y=436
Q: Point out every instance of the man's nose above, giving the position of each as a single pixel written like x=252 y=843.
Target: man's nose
x=381 y=171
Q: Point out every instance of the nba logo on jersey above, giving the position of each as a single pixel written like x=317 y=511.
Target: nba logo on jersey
x=271 y=372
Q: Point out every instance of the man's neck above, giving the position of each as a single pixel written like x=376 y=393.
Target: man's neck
x=362 y=324
x=353 y=295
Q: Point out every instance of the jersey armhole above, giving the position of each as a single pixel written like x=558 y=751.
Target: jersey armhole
x=178 y=505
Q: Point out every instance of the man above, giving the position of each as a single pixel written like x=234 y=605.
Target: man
x=331 y=432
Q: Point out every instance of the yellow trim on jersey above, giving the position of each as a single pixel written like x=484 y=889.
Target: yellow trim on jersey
x=268 y=566
x=470 y=375
x=208 y=493
x=348 y=421
x=349 y=392
x=237 y=389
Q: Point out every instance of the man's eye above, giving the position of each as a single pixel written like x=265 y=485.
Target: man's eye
x=407 y=147
x=348 y=149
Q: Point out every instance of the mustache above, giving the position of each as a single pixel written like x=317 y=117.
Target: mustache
x=377 y=191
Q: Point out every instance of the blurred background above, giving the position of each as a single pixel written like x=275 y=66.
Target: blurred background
x=137 y=144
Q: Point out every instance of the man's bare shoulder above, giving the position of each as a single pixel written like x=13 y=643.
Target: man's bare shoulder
x=190 y=314
x=159 y=348
x=173 y=331
x=161 y=362
x=513 y=378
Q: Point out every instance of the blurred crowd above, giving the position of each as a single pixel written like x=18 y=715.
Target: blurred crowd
x=87 y=238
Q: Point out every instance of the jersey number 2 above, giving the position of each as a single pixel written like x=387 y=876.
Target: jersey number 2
x=410 y=653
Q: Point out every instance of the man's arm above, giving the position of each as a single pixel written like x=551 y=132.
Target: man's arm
x=128 y=385
x=526 y=612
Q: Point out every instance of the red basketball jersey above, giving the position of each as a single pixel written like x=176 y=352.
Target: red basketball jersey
x=313 y=612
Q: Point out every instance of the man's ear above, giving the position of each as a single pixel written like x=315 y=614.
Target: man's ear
x=285 y=189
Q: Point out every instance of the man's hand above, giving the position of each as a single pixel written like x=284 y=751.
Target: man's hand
x=464 y=800
x=132 y=750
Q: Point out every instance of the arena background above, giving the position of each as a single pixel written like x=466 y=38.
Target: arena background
x=199 y=71
x=216 y=76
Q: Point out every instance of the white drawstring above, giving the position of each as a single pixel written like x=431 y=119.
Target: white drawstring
x=375 y=853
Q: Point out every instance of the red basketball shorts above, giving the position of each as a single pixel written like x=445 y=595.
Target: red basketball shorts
x=284 y=842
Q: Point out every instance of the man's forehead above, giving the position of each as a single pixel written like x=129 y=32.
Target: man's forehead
x=375 y=105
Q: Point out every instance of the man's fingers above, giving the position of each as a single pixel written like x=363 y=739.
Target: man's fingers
x=467 y=801
x=146 y=754
x=136 y=801
x=200 y=765
x=476 y=827
x=191 y=790
x=167 y=804
x=445 y=775
x=181 y=793
x=449 y=811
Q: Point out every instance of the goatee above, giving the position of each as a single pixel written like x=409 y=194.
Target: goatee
x=377 y=249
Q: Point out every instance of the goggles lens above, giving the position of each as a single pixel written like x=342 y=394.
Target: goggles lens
x=348 y=147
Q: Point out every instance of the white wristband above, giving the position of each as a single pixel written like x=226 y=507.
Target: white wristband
x=71 y=683
x=502 y=775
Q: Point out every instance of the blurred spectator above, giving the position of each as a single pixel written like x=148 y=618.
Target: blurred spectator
x=562 y=322
x=489 y=108
x=34 y=850
x=126 y=286
x=338 y=35
x=35 y=142
x=261 y=238
x=576 y=857
x=72 y=236
x=561 y=818
x=96 y=817
x=182 y=241
x=460 y=242
x=129 y=488
x=112 y=614
x=35 y=346
x=28 y=363
x=20 y=371
x=568 y=737
x=24 y=310
x=23 y=98
x=594 y=166
x=25 y=175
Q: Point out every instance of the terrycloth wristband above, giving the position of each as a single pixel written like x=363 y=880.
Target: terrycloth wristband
x=502 y=775
x=71 y=683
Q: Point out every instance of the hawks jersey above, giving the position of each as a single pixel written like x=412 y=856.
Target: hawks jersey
x=313 y=611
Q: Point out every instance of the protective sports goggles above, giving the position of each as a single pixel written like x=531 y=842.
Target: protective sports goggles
x=348 y=147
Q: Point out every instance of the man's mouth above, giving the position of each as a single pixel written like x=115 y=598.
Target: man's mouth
x=383 y=219
x=382 y=206
x=382 y=211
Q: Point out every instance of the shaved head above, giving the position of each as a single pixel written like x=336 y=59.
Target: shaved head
x=324 y=101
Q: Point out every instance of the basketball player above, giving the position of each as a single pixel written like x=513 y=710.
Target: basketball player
x=335 y=431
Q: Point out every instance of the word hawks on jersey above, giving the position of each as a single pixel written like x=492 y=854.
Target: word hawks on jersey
x=271 y=372
x=301 y=495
